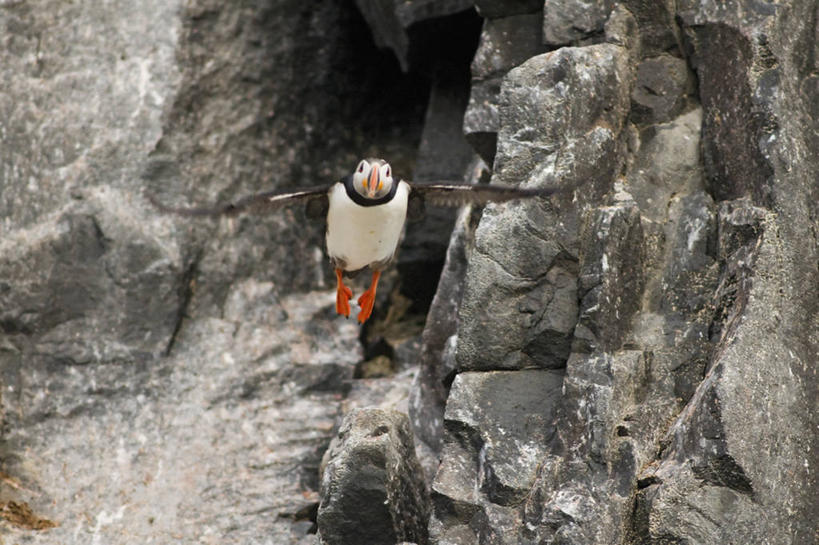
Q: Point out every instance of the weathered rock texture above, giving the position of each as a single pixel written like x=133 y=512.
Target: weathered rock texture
x=373 y=489
x=675 y=296
x=174 y=381
x=631 y=362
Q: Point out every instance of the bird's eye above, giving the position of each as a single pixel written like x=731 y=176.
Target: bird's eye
x=361 y=166
x=387 y=171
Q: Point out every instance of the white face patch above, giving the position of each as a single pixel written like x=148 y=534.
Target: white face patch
x=361 y=174
x=372 y=180
x=386 y=173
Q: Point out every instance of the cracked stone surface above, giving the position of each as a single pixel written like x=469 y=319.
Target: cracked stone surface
x=568 y=21
x=629 y=362
x=188 y=445
x=523 y=269
x=372 y=488
x=168 y=380
x=685 y=412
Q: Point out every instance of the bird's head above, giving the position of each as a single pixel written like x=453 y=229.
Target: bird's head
x=372 y=178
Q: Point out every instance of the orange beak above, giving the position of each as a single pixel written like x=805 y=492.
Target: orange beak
x=374 y=181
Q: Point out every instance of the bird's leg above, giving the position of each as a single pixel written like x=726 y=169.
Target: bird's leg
x=367 y=299
x=343 y=294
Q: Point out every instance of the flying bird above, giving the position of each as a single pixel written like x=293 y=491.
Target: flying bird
x=365 y=211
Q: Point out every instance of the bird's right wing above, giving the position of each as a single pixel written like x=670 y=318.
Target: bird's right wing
x=448 y=194
x=259 y=203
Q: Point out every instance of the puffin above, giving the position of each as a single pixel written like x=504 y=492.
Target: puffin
x=365 y=215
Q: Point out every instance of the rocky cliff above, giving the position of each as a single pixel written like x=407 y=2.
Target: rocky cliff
x=632 y=361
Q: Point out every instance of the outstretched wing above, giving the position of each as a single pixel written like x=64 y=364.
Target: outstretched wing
x=445 y=194
x=259 y=203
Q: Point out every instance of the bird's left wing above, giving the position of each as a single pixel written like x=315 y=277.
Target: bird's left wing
x=259 y=203
x=448 y=194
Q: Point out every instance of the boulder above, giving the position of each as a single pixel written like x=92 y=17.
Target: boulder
x=497 y=428
x=569 y=21
x=372 y=487
x=519 y=305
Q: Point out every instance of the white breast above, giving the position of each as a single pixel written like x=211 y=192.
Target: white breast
x=364 y=235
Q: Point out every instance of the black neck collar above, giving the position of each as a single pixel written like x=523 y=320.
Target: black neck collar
x=359 y=199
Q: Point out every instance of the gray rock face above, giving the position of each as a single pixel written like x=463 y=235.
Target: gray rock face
x=373 y=489
x=188 y=447
x=662 y=90
x=519 y=274
x=745 y=428
x=200 y=367
x=437 y=364
x=630 y=362
x=68 y=293
x=485 y=474
x=505 y=43
x=481 y=119
x=685 y=412
x=73 y=250
x=568 y=21
x=658 y=30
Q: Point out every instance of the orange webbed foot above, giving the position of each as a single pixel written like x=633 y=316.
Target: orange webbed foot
x=343 y=294
x=343 y=301
x=367 y=299
x=366 y=302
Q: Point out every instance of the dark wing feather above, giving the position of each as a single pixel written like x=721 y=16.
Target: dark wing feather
x=445 y=194
x=259 y=203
